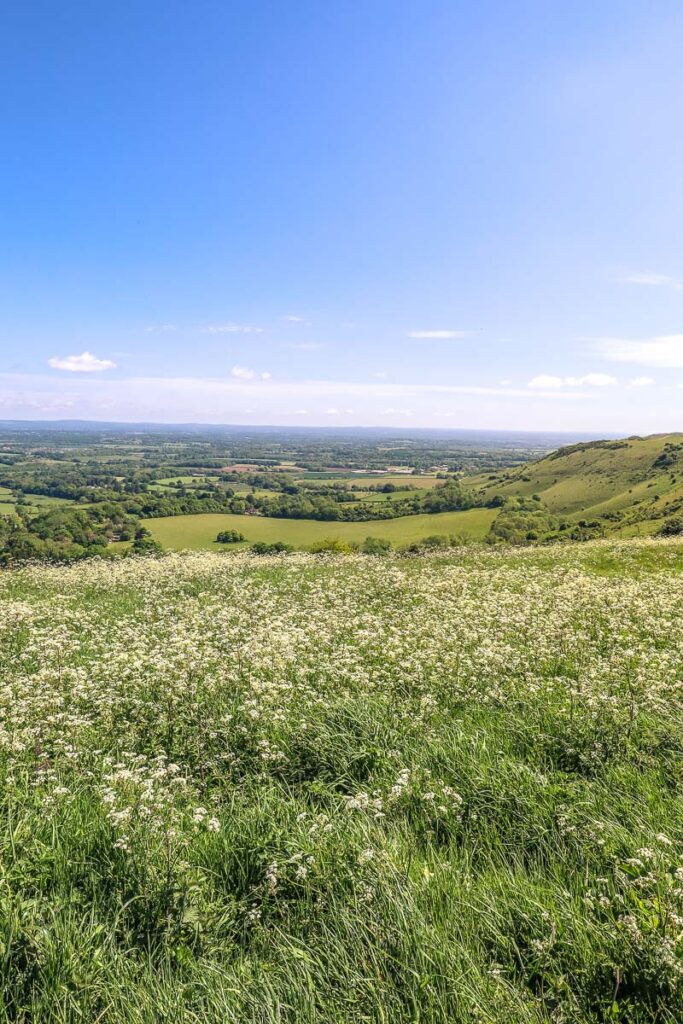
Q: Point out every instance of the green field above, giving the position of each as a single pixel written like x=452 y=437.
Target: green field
x=37 y=502
x=419 y=482
x=183 y=479
x=198 y=532
x=6 y=501
x=46 y=500
x=167 y=485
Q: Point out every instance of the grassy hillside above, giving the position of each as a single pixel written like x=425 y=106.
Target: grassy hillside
x=199 y=532
x=357 y=790
x=636 y=480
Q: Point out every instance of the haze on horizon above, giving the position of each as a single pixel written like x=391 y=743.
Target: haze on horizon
x=404 y=214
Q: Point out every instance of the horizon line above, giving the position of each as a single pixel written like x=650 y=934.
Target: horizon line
x=403 y=429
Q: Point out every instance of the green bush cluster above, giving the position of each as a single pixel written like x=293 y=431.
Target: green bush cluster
x=262 y=547
x=230 y=537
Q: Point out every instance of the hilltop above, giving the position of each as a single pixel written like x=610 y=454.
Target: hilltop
x=359 y=789
x=625 y=486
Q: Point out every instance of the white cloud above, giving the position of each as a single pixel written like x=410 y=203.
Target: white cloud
x=85 y=363
x=438 y=335
x=307 y=346
x=331 y=412
x=663 y=351
x=245 y=373
x=300 y=320
x=160 y=328
x=591 y=380
x=230 y=328
x=641 y=382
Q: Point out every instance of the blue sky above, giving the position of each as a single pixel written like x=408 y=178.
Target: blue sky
x=396 y=213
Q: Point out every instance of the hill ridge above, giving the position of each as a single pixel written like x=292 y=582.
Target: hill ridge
x=628 y=485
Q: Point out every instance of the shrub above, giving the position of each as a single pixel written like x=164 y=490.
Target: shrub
x=671 y=527
x=230 y=537
x=436 y=540
x=431 y=543
x=376 y=546
x=261 y=547
x=330 y=545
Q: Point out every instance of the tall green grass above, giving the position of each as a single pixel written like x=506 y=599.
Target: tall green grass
x=318 y=789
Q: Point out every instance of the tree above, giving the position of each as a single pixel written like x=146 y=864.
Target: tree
x=145 y=544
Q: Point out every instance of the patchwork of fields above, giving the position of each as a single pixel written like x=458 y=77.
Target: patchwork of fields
x=344 y=789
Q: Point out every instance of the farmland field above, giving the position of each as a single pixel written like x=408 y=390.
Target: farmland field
x=422 y=482
x=344 y=789
x=36 y=502
x=198 y=532
x=46 y=500
x=7 y=502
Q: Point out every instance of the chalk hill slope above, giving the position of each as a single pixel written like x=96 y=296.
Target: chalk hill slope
x=630 y=485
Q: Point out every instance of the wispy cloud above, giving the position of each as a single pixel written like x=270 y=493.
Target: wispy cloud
x=640 y=382
x=306 y=346
x=245 y=373
x=300 y=321
x=230 y=328
x=648 y=279
x=224 y=398
x=160 y=328
x=440 y=335
x=665 y=351
x=85 y=363
x=240 y=382
x=547 y=381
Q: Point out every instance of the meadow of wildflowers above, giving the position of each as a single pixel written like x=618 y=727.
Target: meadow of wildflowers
x=344 y=789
